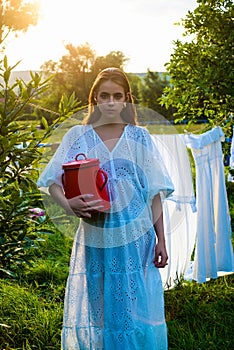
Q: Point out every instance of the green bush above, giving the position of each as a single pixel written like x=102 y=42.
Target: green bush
x=19 y=154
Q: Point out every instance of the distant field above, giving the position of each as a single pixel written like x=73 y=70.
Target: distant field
x=153 y=129
x=176 y=129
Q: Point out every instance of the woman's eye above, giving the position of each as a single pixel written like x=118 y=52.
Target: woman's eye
x=118 y=96
x=104 y=96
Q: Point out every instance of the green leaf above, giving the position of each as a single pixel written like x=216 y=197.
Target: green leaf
x=5 y=62
x=45 y=123
x=6 y=76
x=8 y=272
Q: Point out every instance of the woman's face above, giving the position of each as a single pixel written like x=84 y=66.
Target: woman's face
x=110 y=99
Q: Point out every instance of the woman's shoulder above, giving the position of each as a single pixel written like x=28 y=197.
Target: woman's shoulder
x=138 y=131
x=138 y=128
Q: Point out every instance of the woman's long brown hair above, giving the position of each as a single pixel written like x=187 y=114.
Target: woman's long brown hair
x=116 y=75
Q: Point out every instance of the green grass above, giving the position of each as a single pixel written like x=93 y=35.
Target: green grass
x=29 y=320
x=199 y=316
x=31 y=308
x=176 y=129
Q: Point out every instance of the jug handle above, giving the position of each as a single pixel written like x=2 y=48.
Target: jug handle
x=80 y=154
x=105 y=178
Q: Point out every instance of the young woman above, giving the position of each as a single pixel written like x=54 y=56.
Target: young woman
x=114 y=294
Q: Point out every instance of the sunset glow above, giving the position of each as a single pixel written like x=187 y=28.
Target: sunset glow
x=142 y=30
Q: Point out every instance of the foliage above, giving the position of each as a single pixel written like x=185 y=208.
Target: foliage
x=202 y=69
x=112 y=59
x=16 y=16
x=19 y=153
x=136 y=85
x=71 y=72
x=151 y=91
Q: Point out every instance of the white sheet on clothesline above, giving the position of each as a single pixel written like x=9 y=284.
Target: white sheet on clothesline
x=180 y=210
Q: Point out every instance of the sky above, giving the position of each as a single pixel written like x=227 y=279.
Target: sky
x=144 y=30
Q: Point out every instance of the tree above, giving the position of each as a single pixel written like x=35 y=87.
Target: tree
x=201 y=71
x=75 y=67
x=16 y=16
x=136 y=85
x=71 y=74
x=113 y=59
x=151 y=91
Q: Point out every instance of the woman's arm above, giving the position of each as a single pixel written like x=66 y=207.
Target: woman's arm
x=161 y=256
x=81 y=206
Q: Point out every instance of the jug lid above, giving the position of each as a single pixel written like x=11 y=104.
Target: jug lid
x=85 y=162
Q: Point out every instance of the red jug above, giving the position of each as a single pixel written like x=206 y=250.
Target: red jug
x=84 y=176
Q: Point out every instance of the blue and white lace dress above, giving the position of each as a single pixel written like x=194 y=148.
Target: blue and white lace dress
x=114 y=295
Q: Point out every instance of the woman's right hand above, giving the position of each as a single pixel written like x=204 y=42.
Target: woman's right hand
x=83 y=206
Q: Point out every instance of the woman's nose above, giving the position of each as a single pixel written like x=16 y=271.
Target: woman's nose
x=111 y=99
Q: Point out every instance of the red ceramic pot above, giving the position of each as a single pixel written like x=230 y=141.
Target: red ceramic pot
x=84 y=176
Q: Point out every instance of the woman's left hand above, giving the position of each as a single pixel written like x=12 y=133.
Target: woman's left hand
x=161 y=256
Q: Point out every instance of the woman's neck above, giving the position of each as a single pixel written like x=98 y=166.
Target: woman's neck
x=113 y=125
x=110 y=133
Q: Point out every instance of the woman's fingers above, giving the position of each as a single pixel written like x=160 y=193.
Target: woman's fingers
x=161 y=256
x=83 y=206
x=160 y=262
x=85 y=203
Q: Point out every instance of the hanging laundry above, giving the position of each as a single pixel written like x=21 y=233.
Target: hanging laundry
x=214 y=250
x=179 y=209
x=231 y=160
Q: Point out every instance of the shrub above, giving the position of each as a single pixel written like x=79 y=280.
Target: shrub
x=19 y=154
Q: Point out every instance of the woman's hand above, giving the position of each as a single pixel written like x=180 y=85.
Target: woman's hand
x=82 y=206
x=161 y=256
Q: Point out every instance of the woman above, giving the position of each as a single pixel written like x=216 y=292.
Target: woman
x=114 y=295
